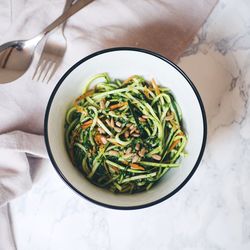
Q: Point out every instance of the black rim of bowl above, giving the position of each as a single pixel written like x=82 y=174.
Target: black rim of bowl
x=142 y=51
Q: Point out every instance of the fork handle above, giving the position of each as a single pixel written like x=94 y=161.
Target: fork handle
x=66 y=7
x=68 y=13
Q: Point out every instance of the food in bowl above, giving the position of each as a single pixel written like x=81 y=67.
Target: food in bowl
x=121 y=63
x=125 y=135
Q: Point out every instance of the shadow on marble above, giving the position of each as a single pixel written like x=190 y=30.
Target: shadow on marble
x=220 y=83
x=169 y=40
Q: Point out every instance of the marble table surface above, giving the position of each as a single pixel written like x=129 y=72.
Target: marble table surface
x=213 y=210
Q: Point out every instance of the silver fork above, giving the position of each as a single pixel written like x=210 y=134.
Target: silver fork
x=53 y=52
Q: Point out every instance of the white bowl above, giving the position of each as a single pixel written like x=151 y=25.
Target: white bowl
x=121 y=63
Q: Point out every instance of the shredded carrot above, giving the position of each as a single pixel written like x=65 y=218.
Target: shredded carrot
x=114 y=168
x=174 y=144
x=146 y=92
x=81 y=97
x=136 y=166
x=98 y=139
x=86 y=124
x=175 y=125
x=155 y=86
x=169 y=117
x=118 y=105
x=88 y=93
x=79 y=108
x=125 y=162
x=129 y=79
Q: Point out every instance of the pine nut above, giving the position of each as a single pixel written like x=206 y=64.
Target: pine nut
x=135 y=158
x=142 y=119
x=112 y=124
x=118 y=130
x=135 y=135
x=132 y=127
x=118 y=124
x=113 y=152
x=102 y=104
x=126 y=135
x=128 y=155
x=142 y=152
x=108 y=122
x=132 y=130
x=156 y=157
x=103 y=139
x=129 y=150
x=101 y=131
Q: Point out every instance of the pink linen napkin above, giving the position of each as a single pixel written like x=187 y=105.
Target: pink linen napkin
x=164 y=26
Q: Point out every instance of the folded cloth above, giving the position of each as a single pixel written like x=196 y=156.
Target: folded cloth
x=17 y=149
x=165 y=26
x=7 y=237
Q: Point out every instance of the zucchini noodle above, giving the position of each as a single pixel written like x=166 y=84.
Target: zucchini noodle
x=125 y=135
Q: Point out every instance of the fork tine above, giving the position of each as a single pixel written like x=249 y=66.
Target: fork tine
x=47 y=69
x=52 y=53
x=37 y=67
x=42 y=69
x=53 y=71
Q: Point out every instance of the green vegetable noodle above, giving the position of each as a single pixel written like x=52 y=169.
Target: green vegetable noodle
x=125 y=135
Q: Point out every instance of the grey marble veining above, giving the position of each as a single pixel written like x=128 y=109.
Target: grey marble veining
x=213 y=210
x=218 y=63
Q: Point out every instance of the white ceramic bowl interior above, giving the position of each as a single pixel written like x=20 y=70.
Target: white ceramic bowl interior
x=121 y=63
